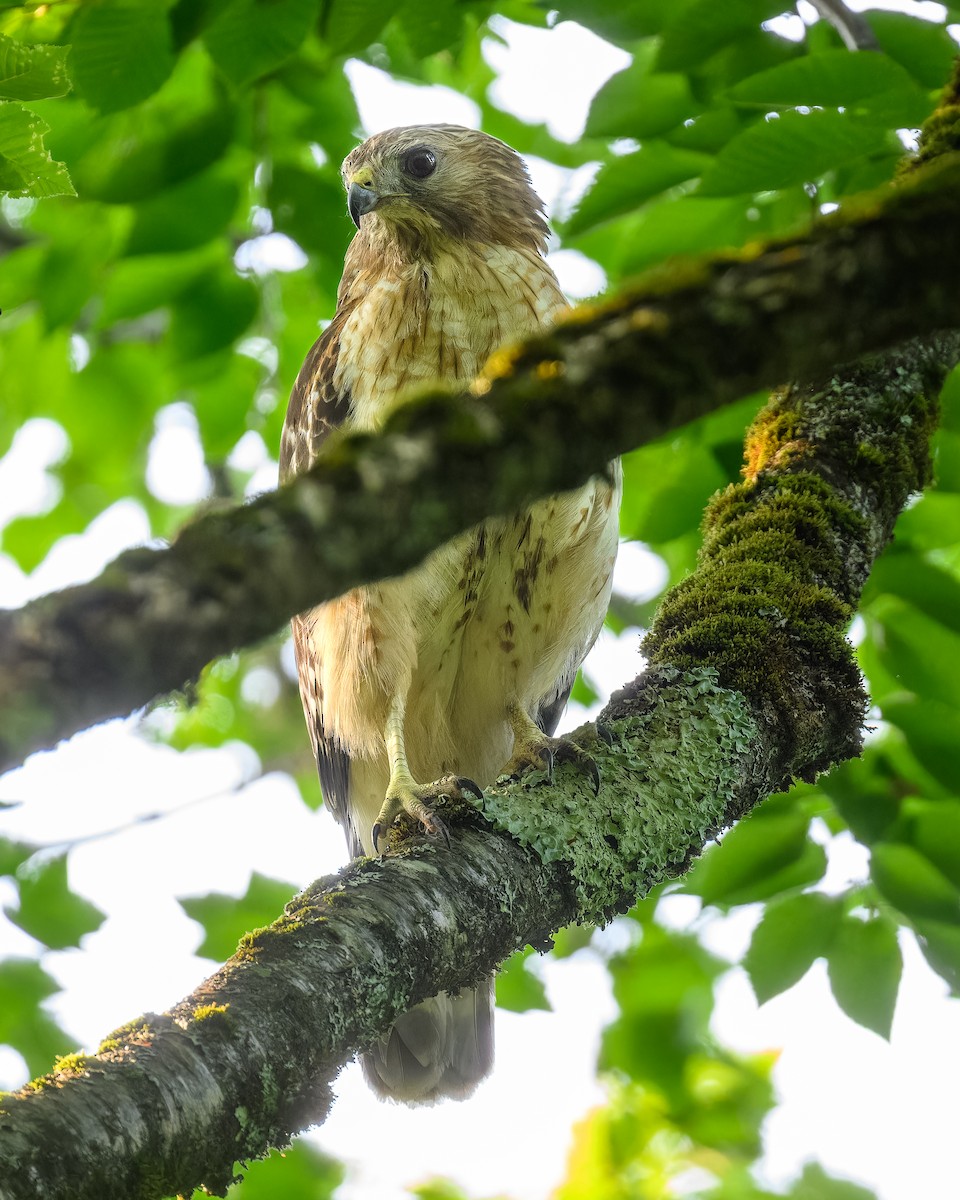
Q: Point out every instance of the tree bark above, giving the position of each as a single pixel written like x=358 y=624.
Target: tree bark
x=170 y=1102
x=549 y=414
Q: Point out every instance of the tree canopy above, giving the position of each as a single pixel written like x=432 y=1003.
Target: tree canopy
x=171 y=240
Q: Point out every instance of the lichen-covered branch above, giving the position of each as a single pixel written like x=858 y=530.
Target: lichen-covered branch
x=752 y=683
x=551 y=413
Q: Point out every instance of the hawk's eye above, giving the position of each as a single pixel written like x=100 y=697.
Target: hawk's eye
x=419 y=162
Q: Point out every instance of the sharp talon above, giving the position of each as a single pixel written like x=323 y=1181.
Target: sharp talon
x=547 y=755
x=605 y=734
x=377 y=830
x=467 y=785
x=594 y=772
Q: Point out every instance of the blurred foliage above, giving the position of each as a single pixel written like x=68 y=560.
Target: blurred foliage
x=140 y=269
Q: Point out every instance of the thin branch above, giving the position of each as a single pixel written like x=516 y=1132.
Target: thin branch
x=853 y=27
x=611 y=377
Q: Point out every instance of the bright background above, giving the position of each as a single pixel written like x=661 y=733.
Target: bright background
x=883 y=1114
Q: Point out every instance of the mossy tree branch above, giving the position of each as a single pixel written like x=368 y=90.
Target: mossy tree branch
x=551 y=413
x=752 y=683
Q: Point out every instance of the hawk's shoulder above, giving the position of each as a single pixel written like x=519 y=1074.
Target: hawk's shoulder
x=318 y=404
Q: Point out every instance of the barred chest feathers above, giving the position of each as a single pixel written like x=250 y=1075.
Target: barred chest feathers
x=506 y=610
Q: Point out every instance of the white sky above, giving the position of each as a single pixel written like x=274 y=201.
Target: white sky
x=882 y=1114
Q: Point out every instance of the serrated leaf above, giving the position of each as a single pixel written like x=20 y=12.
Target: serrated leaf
x=49 y=911
x=792 y=934
x=833 y=79
x=627 y=182
x=248 y=38
x=864 y=966
x=26 y=168
x=122 y=52
x=225 y=919
x=32 y=72
x=752 y=851
x=795 y=148
x=23 y=1023
x=909 y=880
x=517 y=989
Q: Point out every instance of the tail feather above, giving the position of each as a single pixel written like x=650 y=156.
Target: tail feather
x=441 y=1048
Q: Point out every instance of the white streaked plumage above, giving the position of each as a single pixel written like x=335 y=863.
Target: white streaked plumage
x=443 y=671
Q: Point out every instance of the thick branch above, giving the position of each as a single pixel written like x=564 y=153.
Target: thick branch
x=612 y=376
x=171 y=1101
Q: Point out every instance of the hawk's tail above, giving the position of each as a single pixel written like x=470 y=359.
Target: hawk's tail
x=442 y=1048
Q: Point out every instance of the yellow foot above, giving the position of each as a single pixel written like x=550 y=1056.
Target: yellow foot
x=535 y=751
x=417 y=801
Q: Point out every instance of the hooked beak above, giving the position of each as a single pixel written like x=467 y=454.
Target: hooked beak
x=360 y=200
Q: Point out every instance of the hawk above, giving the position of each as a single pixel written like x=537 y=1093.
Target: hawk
x=444 y=679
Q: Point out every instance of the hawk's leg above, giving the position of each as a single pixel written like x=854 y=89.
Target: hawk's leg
x=534 y=750
x=404 y=794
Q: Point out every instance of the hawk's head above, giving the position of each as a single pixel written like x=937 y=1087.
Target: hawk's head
x=421 y=182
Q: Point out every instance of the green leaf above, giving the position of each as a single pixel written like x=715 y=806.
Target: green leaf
x=935 y=831
x=815 y=1184
x=23 y=1023
x=570 y=939
x=354 y=24
x=623 y=20
x=908 y=879
x=122 y=52
x=212 y=314
x=755 y=849
x=794 y=148
x=26 y=168
x=931 y=589
x=832 y=79
x=298 y=1173
x=150 y=281
x=924 y=48
x=48 y=910
x=185 y=216
x=225 y=919
x=309 y=206
x=865 y=965
x=940 y=943
x=12 y=854
x=932 y=730
x=700 y=29
x=634 y=103
x=32 y=72
x=915 y=650
x=517 y=989
x=172 y=136
x=793 y=932
x=248 y=38
x=627 y=182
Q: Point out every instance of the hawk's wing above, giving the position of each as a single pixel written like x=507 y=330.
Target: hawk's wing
x=316 y=408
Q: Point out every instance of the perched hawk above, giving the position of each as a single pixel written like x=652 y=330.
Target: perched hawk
x=457 y=672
